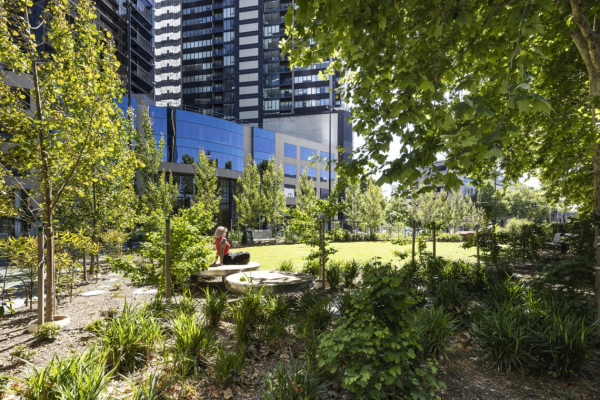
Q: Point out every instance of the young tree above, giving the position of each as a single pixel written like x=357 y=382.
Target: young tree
x=434 y=213
x=352 y=205
x=157 y=190
x=272 y=195
x=395 y=210
x=249 y=201
x=208 y=191
x=474 y=80
x=307 y=196
x=372 y=207
x=74 y=123
x=460 y=208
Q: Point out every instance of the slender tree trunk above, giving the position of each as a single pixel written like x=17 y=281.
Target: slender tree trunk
x=84 y=267
x=414 y=238
x=50 y=272
x=596 y=164
x=477 y=243
x=434 y=248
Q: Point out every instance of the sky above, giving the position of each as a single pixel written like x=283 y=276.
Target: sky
x=395 y=151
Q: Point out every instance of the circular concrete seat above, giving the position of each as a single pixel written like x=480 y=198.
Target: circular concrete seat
x=275 y=282
x=226 y=270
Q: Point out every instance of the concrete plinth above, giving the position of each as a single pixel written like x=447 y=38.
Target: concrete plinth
x=226 y=270
x=93 y=293
x=275 y=282
x=60 y=320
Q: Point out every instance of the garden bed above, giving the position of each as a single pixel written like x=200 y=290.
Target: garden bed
x=464 y=371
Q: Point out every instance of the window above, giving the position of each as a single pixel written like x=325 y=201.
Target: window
x=229 y=60
x=324 y=193
x=229 y=12
x=311 y=103
x=324 y=175
x=271 y=30
x=289 y=150
x=289 y=170
x=271 y=105
x=310 y=172
x=306 y=153
x=228 y=36
x=290 y=191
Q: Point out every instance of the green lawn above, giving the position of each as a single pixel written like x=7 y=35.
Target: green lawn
x=270 y=257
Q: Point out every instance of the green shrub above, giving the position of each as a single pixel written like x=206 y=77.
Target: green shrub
x=506 y=335
x=434 y=327
x=186 y=304
x=228 y=364
x=22 y=353
x=448 y=237
x=569 y=343
x=379 y=323
x=286 y=266
x=130 y=338
x=350 y=271
x=82 y=376
x=193 y=342
x=140 y=272
x=293 y=383
x=343 y=302
x=47 y=331
x=333 y=274
x=214 y=306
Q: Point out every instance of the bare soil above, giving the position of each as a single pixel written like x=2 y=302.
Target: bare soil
x=465 y=372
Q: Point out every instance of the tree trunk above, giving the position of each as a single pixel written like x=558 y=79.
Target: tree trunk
x=434 y=249
x=414 y=236
x=50 y=278
x=92 y=260
x=477 y=243
x=596 y=163
x=84 y=267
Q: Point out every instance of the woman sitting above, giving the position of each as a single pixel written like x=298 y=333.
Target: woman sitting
x=223 y=253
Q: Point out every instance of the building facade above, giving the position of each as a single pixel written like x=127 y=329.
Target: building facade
x=222 y=57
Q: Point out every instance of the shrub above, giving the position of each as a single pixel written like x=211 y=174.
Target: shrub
x=214 y=306
x=22 y=353
x=506 y=335
x=193 y=342
x=186 y=304
x=81 y=376
x=569 y=343
x=287 y=266
x=434 y=327
x=47 y=331
x=293 y=383
x=333 y=274
x=228 y=364
x=350 y=271
x=315 y=314
x=379 y=323
x=130 y=338
x=344 y=302
x=449 y=237
x=140 y=273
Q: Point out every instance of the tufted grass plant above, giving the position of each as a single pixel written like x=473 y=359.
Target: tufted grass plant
x=130 y=338
x=228 y=364
x=81 y=376
x=287 y=266
x=193 y=342
x=434 y=326
x=350 y=271
x=215 y=304
x=333 y=274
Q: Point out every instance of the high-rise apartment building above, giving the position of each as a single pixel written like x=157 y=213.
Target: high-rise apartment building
x=112 y=16
x=222 y=57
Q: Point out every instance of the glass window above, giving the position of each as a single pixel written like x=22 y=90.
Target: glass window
x=289 y=170
x=310 y=172
x=306 y=153
x=324 y=193
x=324 y=175
x=290 y=191
x=289 y=150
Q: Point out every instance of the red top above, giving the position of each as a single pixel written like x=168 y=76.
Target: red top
x=218 y=245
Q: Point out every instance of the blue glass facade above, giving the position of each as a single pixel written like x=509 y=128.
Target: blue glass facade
x=187 y=132
x=289 y=150
x=311 y=172
x=263 y=145
x=307 y=154
x=289 y=170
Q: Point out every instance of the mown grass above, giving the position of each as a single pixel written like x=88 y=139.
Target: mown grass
x=271 y=256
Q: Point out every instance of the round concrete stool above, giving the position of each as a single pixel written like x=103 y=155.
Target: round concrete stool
x=226 y=270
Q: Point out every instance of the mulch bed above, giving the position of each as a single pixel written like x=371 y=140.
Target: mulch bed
x=465 y=372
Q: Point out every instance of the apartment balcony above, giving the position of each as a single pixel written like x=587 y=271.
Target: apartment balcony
x=217 y=77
